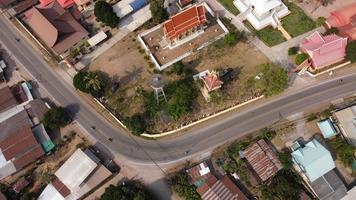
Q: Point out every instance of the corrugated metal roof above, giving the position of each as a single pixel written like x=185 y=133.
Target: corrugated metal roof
x=327 y=128
x=97 y=38
x=347 y=123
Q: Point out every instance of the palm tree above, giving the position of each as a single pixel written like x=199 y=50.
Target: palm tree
x=93 y=81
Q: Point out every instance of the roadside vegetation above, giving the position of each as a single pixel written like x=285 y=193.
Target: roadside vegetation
x=104 y=13
x=129 y=191
x=93 y=83
x=179 y=183
x=351 y=51
x=56 y=118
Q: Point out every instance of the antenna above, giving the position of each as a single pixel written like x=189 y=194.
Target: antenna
x=157 y=83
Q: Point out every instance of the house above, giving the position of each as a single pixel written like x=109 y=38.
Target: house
x=77 y=176
x=315 y=163
x=126 y=7
x=346 y=120
x=313 y=159
x=18 y=149
x=324 y=50
x=37 y=109
x=185 y=25
x=218 y=189
x=262 y=159
x=212 y=81
x=344 y=19
x=56 y=27
x=199 y=173
x=7 y=99
x=262 y=13
x=327 y=128
x=63 y=3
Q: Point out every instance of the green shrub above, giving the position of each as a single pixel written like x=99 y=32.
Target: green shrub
x=157 y=10
x=131 y=190
x=231 y=38
x=56 y=118
x=293 y=51
x=344 y=151
x=300 y=58
x=320 y=21
x=178 y=68
x=136 y=124
x=331 y=30
x=351 y=51
x=180 y=184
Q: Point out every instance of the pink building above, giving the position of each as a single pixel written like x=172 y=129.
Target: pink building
x=63 y=3
x=344 y=20
x=324 y=50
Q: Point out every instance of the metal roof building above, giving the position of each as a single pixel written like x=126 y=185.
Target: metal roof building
x=327 y=128
x=347 y=123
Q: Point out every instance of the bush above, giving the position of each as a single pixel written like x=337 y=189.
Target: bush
x=178 y=68
x=231 y=38
x=331 y=30
x=351 y=51
x=157 y=10
x=300 y=58
x=93 y=83
x=180 y=184
x=285 y=159
x=267 y=134
x=129 y=190
x=136 y=124
x=293 y=51
x=104 y=13
x=272 y=79
x=320 y=21
x=344 y=151
x=56 y=118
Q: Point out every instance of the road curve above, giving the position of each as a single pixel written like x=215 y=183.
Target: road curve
x=168 y=150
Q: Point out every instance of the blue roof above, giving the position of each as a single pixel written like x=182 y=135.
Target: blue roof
x=327 y=128
x=137 y=4
x=313 y=159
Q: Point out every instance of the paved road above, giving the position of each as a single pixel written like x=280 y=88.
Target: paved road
x=170 y=150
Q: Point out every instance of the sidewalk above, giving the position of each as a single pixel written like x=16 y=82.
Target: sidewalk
x=127 y=25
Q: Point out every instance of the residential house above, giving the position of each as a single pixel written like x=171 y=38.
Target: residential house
x=18 y=149
x=56 y=27
x=262 y=159
x=199 y=173
x=212 y=81
x=77 y=176
x=327 y=128
x=316 y=165
x=63 y=3
x=185 y=25
x=324 y=50
x=344 y=19
x=7 y=99
x=37 y=109
x=346 y=120
x=262 y=13
x=218 y=189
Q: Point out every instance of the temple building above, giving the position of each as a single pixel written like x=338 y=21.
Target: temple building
x=185 y=25
x=262 y=13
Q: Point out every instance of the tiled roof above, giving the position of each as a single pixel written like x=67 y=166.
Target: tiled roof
x=20 y=184
x=7 y=99
x=345 y=20
x=195 y=172
x=223 y=189
x=185 y=20
x=212 y=81
x=55 y=26
x=262 y=159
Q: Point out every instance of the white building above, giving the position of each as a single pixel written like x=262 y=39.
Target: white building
x=262 y=13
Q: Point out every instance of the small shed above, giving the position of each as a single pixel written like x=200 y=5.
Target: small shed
x=96 y=39
x=327 y=128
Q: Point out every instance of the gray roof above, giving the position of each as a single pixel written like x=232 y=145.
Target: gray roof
x=14 y=123
x=329 y=187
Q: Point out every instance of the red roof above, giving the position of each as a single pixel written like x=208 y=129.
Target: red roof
x=324 y=50
x=212 y=81
x=66 y=3
x=214 y=189
x=20 y=184
x=45 y=2
x=185 y=20
x=7 y=99
x=60 y=187
x=345 y=20
x=262 y=159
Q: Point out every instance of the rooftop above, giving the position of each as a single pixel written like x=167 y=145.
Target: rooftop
x=314 y=160
x=347 y=123
x=199 y=172
x=345 y=20
x=329 y=187
x=262 y=159
x=327 y=128
x=7 y=99
x=214 y=189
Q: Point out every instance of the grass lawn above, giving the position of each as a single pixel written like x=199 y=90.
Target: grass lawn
x=230 y=6
x=297 y=22
x=269 y=35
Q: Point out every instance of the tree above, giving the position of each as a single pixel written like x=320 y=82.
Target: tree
x=180 y=184
x=178 y=68
x=351 y=51
x=136 y=124
x=104 y=13
x=344 y=151
x=157 y=10
x=285 y=160
x=127 y=191
x=79 y=81
x=320 y=21
x=231 y=38
x=331 y=30
x=293 y=51
x=284 y=185
x=90 y=82
x=271 y=79
x=267 y=134
x=56 y=118
x=93 y=81
x=300 y=58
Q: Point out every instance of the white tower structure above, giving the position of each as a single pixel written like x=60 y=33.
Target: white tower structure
x=157 y=83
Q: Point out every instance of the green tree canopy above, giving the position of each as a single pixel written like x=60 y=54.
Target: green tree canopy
x=351 y=51
x=136 y=124
x=271 y=79
x=180 y=184
x=56 y=118
x=284 y=185
x=104 y=13
x=344 y=151
x=157 y=10
x=128 y=191
x=90 y=82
